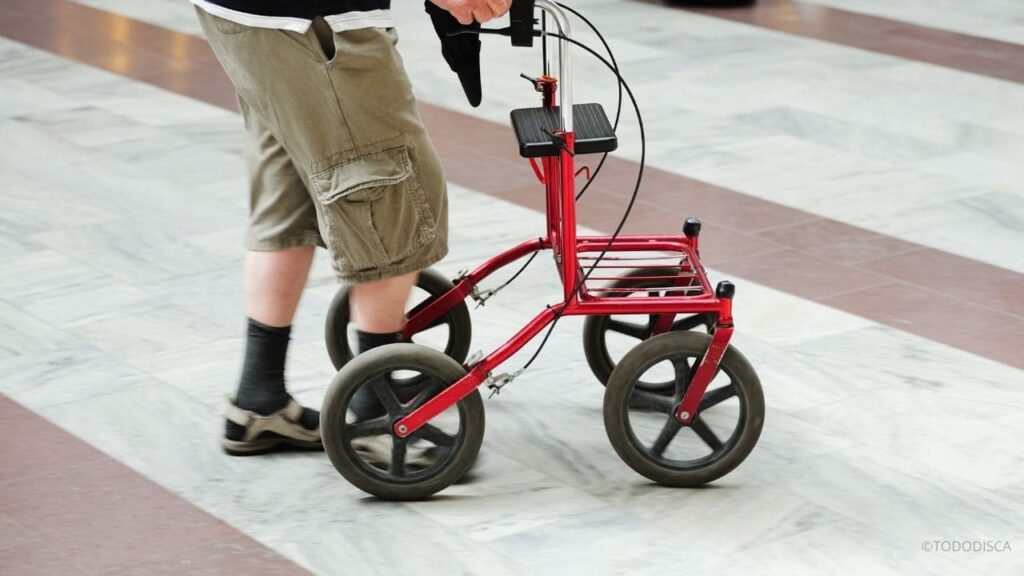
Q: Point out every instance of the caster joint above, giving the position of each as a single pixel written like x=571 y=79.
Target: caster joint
x=499 y=381
x=482 y=296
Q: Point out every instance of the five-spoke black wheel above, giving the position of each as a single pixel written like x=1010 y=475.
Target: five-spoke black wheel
x=369 y=455
x=607 y=338
x=641 y=423
x=451 y=332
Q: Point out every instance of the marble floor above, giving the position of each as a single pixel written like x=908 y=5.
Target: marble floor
x=995 y=19
x=121 y=319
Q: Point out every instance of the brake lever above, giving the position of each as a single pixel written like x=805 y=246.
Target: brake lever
x=491 y=31
x=507 y=31
x=537 y=84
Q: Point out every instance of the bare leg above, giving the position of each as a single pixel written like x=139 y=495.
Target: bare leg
x=379 y=307
x=273 y=286
x=274 y=282
x=378 y=311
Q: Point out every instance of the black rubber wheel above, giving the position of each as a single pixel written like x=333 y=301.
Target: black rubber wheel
x=374 y=460
x=642 y=426
x=602 y=348
x=452 y=332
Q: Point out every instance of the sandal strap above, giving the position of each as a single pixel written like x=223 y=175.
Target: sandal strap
x=285 y=422
x=292 y=411
x=236 y=414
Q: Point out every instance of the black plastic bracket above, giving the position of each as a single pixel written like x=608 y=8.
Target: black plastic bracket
x=521 y=22
x=557 y=140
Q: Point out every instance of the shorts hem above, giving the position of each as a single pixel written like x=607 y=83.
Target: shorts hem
x=270 y=245
x=413 y=264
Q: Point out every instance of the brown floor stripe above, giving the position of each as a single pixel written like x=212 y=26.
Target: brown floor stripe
x=846 y=267
x=1003 y=60
x=66 y=508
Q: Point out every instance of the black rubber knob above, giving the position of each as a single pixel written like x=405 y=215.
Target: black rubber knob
x=725 y=289
x=692 y=227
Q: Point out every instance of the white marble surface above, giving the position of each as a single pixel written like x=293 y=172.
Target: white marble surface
x=995 y=19
x=125 y=328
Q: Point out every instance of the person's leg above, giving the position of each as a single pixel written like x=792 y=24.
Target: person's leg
x=282 y=237
x=378 y=312
x=379 y=307
x=262 y=416
x=351 y=131
x=274 y=281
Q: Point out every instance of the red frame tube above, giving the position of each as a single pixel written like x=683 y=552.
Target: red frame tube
x=687 y=409
x=558 y=175
x=476 y=375
x=420 y=318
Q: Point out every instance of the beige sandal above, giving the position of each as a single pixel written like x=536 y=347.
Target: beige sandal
x=282 y=429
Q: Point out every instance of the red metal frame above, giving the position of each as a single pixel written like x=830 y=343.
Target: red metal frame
x=694 y=294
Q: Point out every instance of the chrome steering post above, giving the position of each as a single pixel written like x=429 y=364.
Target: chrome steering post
x=564 y=59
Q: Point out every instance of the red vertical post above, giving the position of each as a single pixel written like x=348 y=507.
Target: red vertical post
x=570 y=277
x=553 y=185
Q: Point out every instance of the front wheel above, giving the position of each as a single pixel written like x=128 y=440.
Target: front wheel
x=369 y=455
x=641 y=424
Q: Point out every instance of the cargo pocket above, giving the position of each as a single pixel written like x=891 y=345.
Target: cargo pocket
x=375 y=211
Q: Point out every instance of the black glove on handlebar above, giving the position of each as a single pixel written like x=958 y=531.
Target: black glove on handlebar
x=462 y=52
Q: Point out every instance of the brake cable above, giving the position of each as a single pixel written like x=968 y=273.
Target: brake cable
x=629 y=207
x=625 y=215
x=615 y=126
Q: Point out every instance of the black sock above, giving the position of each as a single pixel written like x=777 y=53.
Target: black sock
x=365 y=404
x=370 y=340
x=261 y=388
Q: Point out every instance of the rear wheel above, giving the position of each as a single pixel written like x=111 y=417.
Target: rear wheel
x=451 y=333
x=607 y=338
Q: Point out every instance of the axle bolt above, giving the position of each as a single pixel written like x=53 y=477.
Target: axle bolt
x=402 y=429
x=684 y=415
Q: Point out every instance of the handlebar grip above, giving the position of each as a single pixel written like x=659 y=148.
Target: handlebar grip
x=521 y=22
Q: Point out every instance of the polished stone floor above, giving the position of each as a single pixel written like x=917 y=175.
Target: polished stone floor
x=121 y=319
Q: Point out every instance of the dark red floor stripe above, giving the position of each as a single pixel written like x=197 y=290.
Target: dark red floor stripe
x=1003 y=60
x=68 y=509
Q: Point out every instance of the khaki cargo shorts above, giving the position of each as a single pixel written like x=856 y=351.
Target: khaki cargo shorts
x=337 y=152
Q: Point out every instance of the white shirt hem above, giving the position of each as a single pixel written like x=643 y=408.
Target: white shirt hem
x=338 y=22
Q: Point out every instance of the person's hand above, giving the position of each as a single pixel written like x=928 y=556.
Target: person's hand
x=465 y=11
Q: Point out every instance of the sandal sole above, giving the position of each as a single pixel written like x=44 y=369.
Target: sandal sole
x=267 y=445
